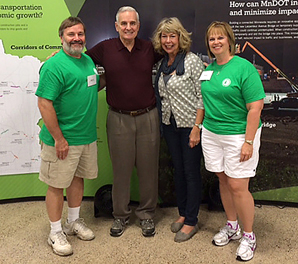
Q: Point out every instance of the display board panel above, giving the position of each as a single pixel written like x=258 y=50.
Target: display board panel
x=266 y=33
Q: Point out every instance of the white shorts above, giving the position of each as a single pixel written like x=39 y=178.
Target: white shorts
x=222 y=154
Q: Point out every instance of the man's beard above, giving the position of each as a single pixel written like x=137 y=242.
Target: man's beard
x=68 y=47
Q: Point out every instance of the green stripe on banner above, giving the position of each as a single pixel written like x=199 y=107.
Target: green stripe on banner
x=74 y=6
x=288 y=194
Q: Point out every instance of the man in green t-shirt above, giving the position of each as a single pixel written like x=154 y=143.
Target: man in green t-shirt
x=67 y=100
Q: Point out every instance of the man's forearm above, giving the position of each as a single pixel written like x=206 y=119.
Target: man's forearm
x=49 y=117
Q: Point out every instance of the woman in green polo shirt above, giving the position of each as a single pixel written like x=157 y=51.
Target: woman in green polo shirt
x=233 y=99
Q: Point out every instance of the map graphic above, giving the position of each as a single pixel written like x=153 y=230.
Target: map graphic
x=19 y=114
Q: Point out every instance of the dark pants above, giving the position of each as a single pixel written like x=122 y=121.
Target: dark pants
x=187 y=175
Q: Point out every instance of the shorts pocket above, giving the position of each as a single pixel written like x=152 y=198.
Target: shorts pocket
x=49 y=157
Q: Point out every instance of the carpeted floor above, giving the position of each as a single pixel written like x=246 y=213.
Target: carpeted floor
x=25 y=227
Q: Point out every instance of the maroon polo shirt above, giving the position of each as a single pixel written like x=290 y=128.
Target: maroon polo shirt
x=128 y=74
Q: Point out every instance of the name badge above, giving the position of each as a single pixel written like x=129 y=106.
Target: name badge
x=91 y=79
x=206 y=75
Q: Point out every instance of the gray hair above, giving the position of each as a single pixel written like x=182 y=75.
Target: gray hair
x=126 y=9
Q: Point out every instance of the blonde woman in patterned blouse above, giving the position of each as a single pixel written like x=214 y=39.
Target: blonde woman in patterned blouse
x=179 y=100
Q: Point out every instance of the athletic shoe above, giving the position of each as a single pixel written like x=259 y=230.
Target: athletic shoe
x=247 y=247
x=118 y=226
x=148 y=227
x=226 y=234
x=79 y=228
x=60 y=244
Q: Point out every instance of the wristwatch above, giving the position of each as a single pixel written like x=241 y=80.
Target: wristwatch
x=199 y=126
x=250 y=142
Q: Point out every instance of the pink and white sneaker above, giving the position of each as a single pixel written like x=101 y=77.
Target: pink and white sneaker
x=247 y=247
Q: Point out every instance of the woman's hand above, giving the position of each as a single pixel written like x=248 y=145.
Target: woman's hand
x=194 y=137
x=246 y=152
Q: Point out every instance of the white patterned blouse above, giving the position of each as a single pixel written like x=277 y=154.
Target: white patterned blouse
x=181 y=95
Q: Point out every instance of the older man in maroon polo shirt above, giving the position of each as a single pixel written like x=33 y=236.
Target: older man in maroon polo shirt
x=132 y=122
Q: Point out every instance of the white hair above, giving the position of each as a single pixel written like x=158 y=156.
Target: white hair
x=125 y=9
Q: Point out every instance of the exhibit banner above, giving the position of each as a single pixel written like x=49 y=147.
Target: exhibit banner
x=266 y=34
x=28 y=35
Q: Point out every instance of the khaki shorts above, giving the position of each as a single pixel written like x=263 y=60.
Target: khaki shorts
x=222 y=153
x=81 y=162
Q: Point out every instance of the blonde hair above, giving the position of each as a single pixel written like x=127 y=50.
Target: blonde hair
x=221 y=28
x=171 y=25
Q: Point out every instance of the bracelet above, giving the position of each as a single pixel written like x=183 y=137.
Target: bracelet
x=250 y=142
x=199 y=126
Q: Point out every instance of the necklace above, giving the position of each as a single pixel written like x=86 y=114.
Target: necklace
x=221 y=69
x=224 y=65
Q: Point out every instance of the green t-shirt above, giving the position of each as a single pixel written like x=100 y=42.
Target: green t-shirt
x=66 y=81
x=226 y=94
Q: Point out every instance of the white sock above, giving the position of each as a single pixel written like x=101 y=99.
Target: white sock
x=56 y=227
x=233 y=224
x=73 y=214
x=250 y=235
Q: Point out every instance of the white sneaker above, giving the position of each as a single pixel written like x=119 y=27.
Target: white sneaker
x=226 y=234
x=79 y=228
x=246 y=249
x=60 y=244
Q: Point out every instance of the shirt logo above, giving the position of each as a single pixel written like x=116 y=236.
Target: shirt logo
x=226 y=82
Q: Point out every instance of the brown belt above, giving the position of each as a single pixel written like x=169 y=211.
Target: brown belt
x=133 y=113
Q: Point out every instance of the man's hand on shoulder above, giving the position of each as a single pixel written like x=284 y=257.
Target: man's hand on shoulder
x=53 y=54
